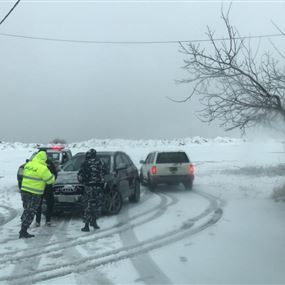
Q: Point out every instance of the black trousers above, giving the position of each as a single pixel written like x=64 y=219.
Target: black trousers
x=93 y=202
x=49 y=197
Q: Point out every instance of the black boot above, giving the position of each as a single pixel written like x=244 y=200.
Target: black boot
x=86 y=228
x=94 y=224
x=24 y=234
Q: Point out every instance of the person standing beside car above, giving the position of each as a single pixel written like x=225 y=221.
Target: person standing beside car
x=48 y=195
x=36 y=176
x=91 y=175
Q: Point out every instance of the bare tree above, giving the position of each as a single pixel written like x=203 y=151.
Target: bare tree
x=235 y=85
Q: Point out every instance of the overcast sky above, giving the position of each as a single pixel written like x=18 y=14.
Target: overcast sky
x=78 y=91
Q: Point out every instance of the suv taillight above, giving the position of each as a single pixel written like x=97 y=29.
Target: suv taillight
x=153 y=170
x=191 y=169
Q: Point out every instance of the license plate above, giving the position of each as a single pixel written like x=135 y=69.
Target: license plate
x=172 y=169
x=67 y=199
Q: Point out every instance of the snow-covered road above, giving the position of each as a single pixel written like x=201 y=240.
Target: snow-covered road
x=228 y=229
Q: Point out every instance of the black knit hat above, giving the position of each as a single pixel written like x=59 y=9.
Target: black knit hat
x=91 y=153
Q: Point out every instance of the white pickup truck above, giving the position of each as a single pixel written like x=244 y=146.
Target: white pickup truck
x=167 y=167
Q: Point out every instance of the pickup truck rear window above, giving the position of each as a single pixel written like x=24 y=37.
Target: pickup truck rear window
x=172 y=157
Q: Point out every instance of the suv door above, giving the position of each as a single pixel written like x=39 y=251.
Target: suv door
x=131 y=172
x=121 y=175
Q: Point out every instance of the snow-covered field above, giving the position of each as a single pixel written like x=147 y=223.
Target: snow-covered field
x=229 y=229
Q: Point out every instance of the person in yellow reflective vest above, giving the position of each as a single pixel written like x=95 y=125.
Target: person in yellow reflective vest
x=35 y=177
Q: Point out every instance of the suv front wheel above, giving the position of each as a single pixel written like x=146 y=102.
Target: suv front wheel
x=113 y=202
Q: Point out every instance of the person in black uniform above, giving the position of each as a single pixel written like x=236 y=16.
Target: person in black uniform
x=91 y=175
x=48 y=196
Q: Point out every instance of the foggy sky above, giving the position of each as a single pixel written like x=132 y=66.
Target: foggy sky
x=80 y=91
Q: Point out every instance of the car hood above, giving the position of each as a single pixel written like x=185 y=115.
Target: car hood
x=70 y=177
x=67 y=177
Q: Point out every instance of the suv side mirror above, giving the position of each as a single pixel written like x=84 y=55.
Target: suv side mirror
x=121 y=166
x=142 y=162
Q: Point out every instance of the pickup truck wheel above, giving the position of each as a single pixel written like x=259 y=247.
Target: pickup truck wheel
x=150 y=184
x=188 y=185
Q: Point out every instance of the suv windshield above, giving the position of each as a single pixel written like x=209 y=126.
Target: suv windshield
x=75 y=162
x=172 y=157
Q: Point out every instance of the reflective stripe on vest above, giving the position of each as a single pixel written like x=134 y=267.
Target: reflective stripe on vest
x=32 y=178
x=37 y=179
x=33 y=190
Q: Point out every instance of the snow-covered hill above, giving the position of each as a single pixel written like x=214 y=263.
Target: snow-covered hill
x=117 y=143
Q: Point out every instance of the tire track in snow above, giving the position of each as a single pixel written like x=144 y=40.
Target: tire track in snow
x=149 y=272
x=9 y=212
x=110 y=256
x=28 y=267
x=7 y=217
x=145 y=266
x=2 y=219
x=90 y=277
x=5 y=241
x=11 y=256
x=163 y=203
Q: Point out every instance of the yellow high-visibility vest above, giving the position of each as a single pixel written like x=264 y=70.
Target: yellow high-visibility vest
x=36 y=175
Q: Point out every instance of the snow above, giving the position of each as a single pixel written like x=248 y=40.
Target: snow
x=229 y=229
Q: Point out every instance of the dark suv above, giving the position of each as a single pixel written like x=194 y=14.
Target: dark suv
x=58 y=154
x=122 y=181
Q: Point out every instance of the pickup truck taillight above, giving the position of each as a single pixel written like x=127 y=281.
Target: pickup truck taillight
x=153 y=170
x=191 y=169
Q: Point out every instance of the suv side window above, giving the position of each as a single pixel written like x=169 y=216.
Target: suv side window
x=127 y=160
x=118 y=160
x=147 y=161
x=151 y=159
x=69 y=155
x=65 y=157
